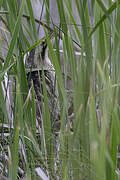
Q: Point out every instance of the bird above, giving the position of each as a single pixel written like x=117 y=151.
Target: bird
x=38 y=58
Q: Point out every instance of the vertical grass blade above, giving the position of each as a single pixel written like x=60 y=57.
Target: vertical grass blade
x=14 y=37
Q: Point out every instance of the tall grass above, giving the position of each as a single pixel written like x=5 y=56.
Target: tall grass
x=85 y=147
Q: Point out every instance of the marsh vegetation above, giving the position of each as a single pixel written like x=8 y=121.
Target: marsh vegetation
x=59 y=90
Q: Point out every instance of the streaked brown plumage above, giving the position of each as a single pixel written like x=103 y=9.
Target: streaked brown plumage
x=37 y=59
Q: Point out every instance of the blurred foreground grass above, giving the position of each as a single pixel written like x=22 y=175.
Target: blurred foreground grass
x=86 y=147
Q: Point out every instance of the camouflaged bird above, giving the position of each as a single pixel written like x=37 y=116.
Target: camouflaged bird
x=37 y=59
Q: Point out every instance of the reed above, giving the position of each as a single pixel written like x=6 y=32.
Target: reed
x=63 y=122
